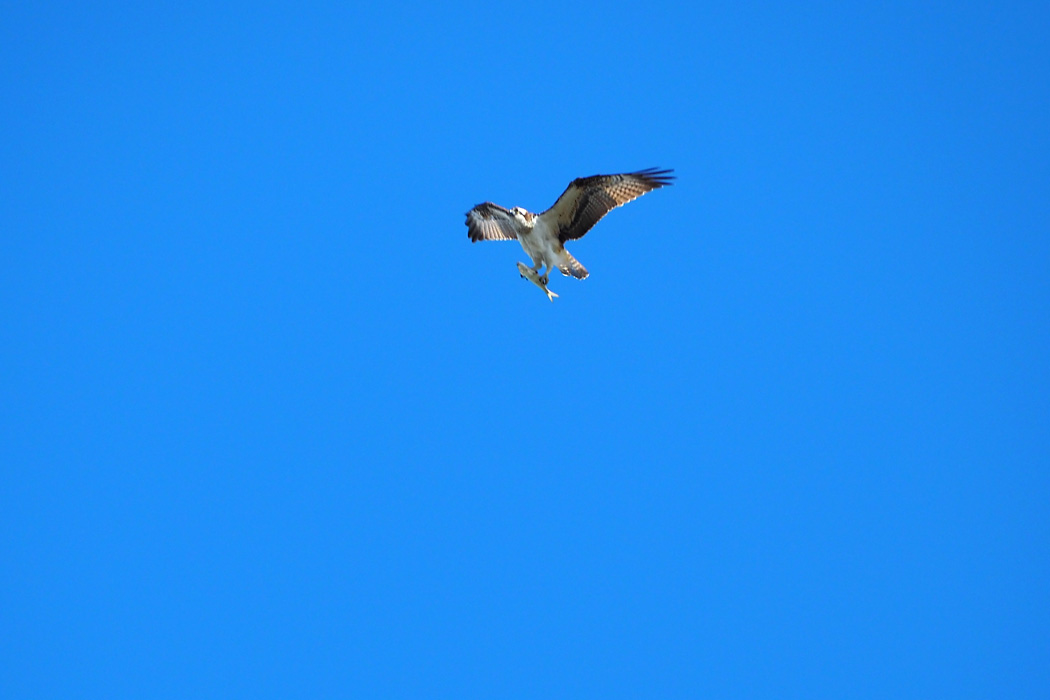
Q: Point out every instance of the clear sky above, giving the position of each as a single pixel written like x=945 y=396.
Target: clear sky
x=271 y=426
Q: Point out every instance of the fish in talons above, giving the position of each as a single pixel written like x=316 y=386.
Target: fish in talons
x=532 y=276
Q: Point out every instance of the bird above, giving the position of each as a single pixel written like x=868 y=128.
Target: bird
x=583 y=204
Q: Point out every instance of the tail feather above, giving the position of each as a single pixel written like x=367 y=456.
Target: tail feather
x=572 y=266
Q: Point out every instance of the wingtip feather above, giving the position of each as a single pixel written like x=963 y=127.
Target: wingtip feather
x=658 y=176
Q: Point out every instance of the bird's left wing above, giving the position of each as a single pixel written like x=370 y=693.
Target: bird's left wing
x=587 y=199
x=491 y=222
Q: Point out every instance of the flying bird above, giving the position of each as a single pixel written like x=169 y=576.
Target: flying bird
x=583 y=203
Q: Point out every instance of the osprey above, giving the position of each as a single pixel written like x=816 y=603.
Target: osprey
x=583 y=203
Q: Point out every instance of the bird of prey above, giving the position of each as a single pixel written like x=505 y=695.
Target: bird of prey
x=583 y=203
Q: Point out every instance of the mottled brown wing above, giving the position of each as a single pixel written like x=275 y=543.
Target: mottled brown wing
x=587 y=199
x=491 y=222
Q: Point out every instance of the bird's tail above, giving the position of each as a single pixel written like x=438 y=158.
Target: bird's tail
x=571 y=266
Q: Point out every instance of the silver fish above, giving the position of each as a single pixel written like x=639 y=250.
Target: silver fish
x=529 y=274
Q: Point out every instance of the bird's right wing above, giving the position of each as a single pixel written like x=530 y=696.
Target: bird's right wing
x=491 y=222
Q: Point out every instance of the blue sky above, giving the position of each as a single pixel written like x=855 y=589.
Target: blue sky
x=272 y=427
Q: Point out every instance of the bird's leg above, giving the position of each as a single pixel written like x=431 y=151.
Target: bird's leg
x=536 y=268
x=545 y=277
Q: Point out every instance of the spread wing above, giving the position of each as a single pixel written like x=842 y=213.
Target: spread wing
x=588 y=199
x=491 y=222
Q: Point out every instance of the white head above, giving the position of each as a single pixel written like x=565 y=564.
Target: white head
x=522 y=215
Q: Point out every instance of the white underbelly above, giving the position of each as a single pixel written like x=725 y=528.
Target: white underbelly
x=538 y=246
